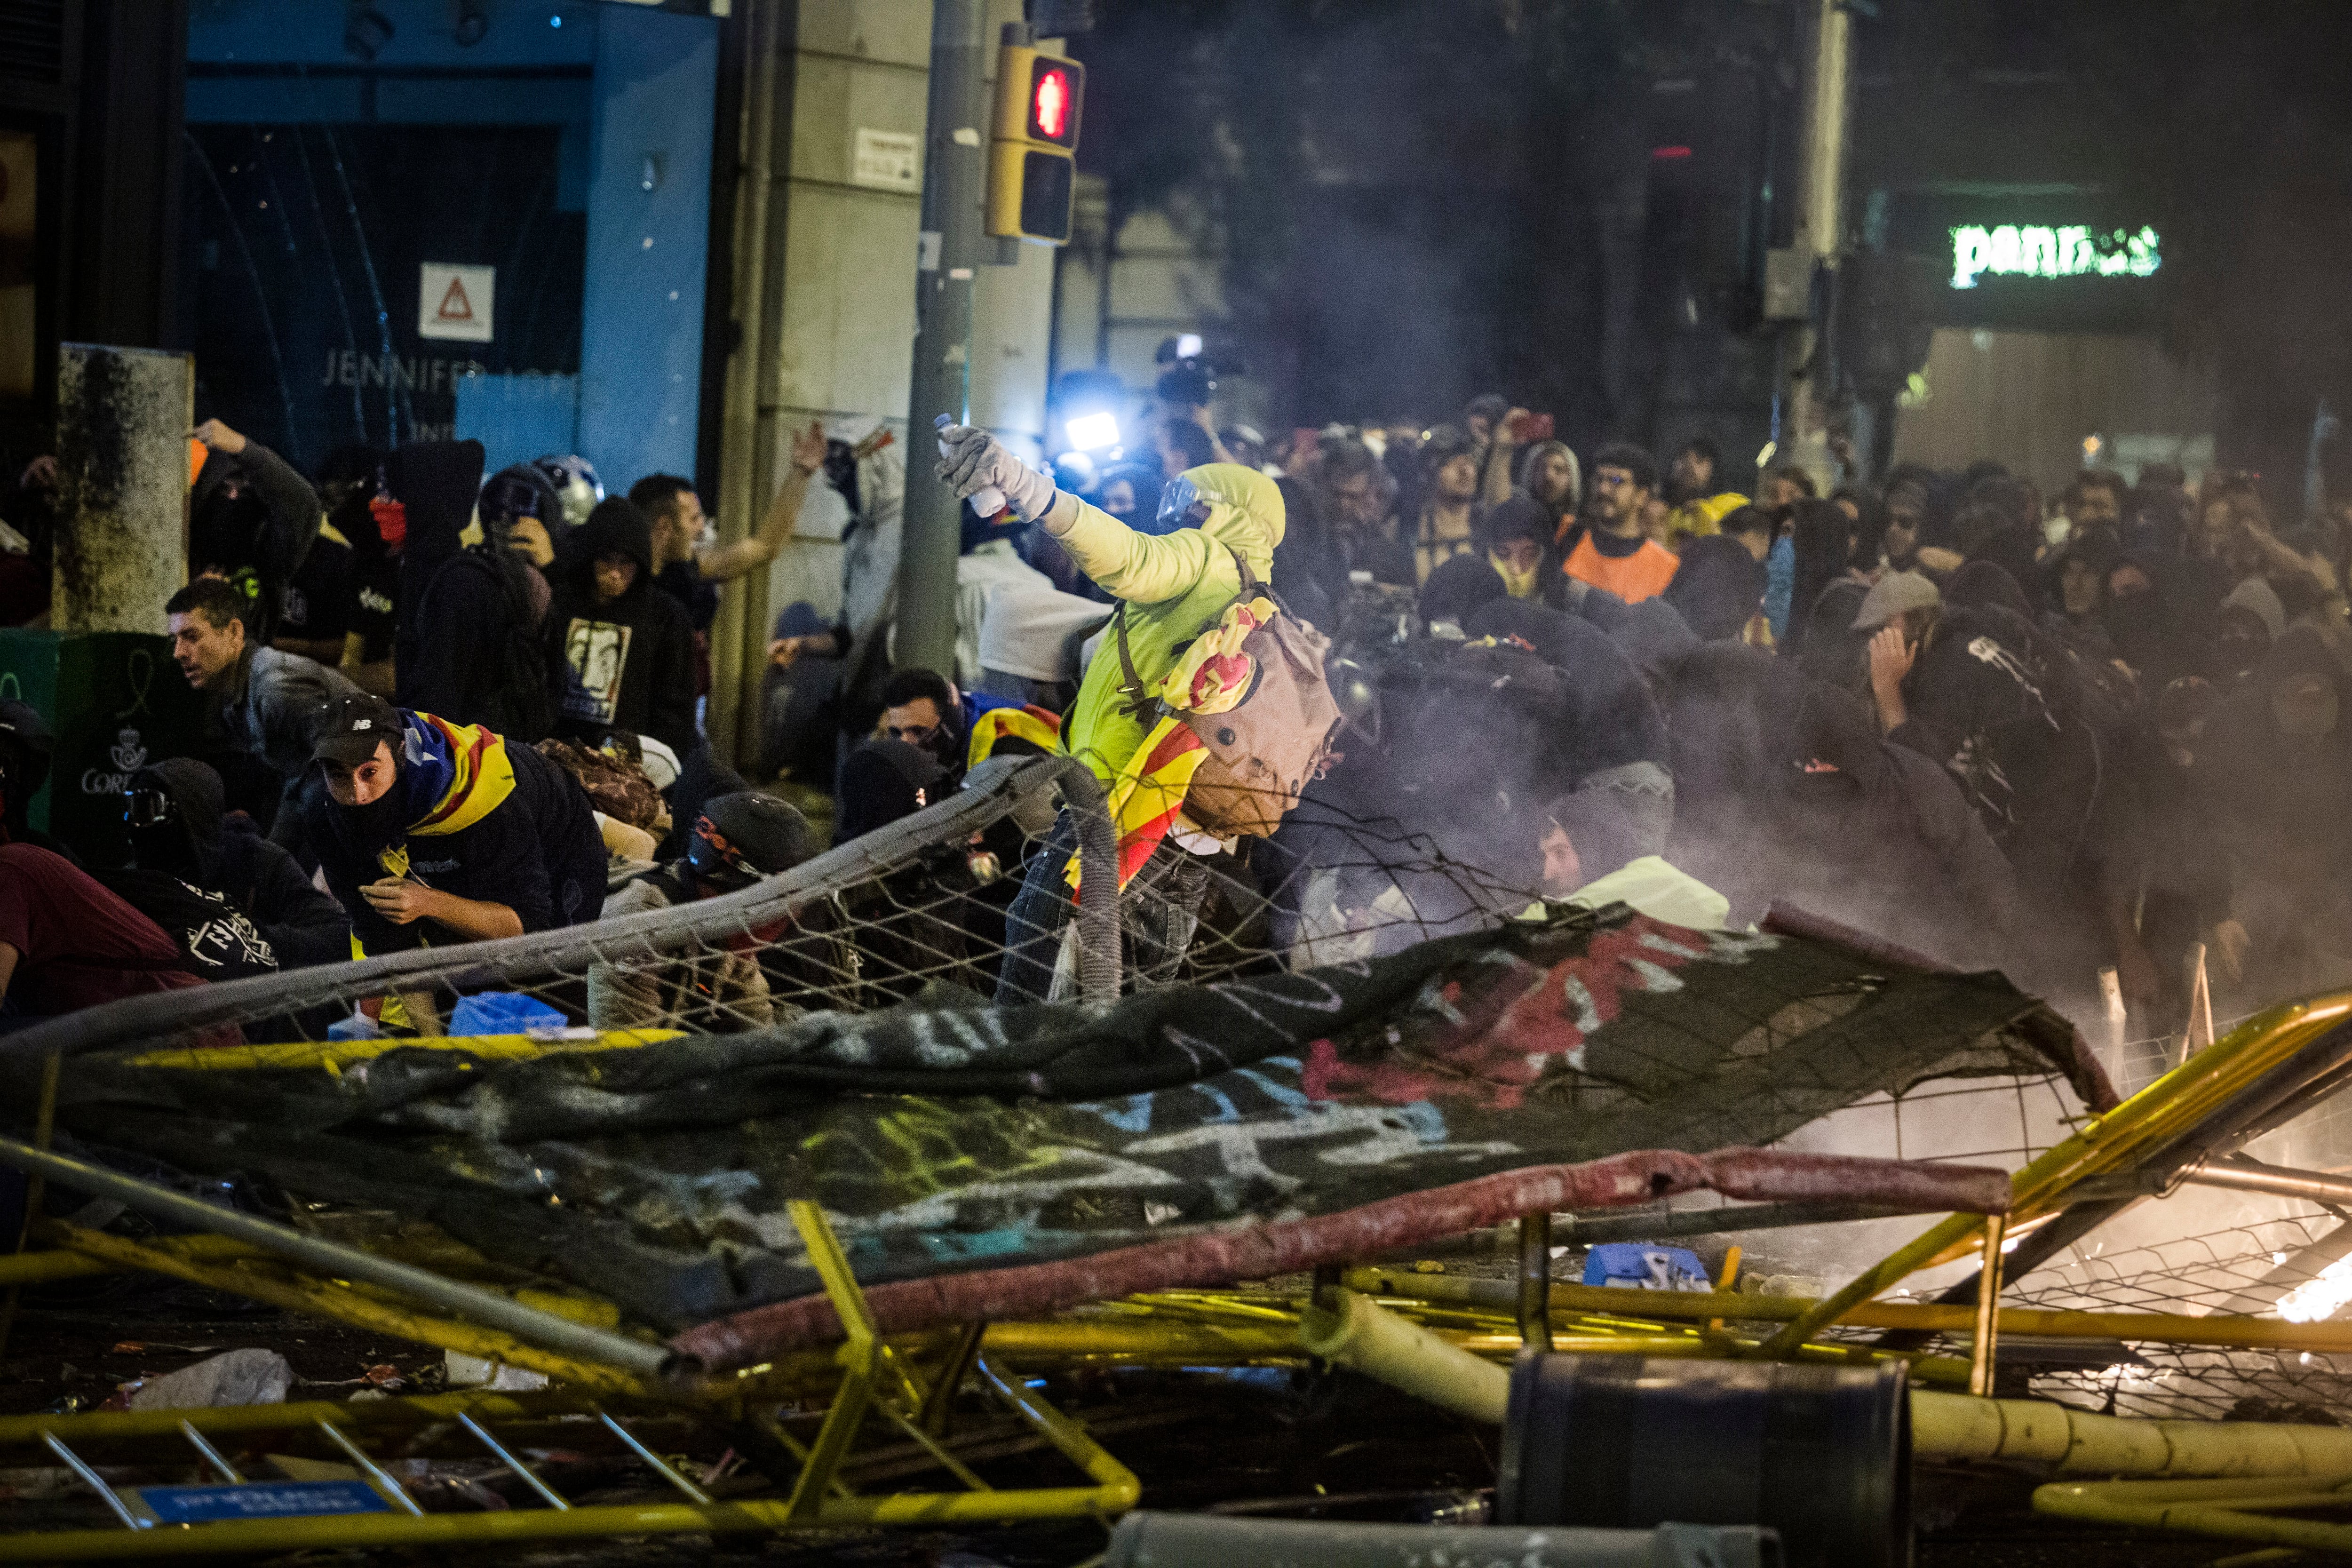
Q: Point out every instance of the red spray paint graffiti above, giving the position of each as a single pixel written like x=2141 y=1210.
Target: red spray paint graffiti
x=1486 y=1043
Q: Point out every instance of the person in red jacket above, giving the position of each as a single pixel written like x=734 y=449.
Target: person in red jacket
x=66 y=943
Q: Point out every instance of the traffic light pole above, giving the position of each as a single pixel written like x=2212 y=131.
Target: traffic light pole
x=955 y=179
x=1820 y=229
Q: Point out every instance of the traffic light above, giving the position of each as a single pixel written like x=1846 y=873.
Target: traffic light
x=1032 y=160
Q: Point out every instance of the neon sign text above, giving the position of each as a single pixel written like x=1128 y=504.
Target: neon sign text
x=2014 y=250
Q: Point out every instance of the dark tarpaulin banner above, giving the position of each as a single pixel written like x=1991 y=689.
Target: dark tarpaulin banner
x=958 y=1137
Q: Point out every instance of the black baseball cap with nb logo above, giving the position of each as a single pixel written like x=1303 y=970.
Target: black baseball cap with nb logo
x=351 y=728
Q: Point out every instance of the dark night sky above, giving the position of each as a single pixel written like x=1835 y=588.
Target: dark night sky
x=1419 y=197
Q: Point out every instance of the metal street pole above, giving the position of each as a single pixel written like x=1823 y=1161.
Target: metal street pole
x=1820 y=224
x=955 y=177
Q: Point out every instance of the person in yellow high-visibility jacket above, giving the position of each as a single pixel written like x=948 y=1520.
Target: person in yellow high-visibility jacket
x=1174 y=578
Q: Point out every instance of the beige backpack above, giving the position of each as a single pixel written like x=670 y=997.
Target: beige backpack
x=1264 y=751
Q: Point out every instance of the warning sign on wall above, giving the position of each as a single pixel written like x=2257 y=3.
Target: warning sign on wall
x=455 y=301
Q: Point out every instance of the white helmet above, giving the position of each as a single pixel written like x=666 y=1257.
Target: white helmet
x=576 y=484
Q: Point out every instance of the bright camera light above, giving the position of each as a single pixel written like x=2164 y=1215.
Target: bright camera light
x=1092 y=432
x=1189 y=346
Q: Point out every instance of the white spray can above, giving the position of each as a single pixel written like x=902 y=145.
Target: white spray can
x=985 y=503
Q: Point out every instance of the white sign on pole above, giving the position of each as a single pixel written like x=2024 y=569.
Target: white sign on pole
x=455 y=301
x=887 y=159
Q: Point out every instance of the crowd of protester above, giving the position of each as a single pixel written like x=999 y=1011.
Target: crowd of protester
x=2055 y=735
x=2099 y=730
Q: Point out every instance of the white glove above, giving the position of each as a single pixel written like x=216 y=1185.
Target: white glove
x=976 y=461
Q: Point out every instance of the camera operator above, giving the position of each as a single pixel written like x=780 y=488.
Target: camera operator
x=1186 y=390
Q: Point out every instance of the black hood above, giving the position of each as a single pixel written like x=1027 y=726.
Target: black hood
x=1718 y=588
x=883 y=781
x=1459 y=586
x=1654 y=634
x=191 y=845
x=435 y=483
x=1516 y=516
x=1987 y=581
x=1835 y=731
x=617 y=527
x=1552 y=633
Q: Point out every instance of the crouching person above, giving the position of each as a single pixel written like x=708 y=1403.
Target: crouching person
x=66 y=943
x=432 y=833
x=174 y=817
x=737 y=839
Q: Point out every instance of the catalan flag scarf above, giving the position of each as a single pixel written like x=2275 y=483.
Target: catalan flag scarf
x=451 y=776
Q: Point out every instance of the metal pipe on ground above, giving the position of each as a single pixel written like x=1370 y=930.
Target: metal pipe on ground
x=1944 y=1427
x=2244 y=1173
x=1355 y=1334
x=484 y=1307
x=1920 y=1318
x=2076 y=1442
x=1145 y=1539
x=1653 y=1224
x=2248 y=1509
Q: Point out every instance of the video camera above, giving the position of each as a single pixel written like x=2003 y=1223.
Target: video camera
x=1188 y=378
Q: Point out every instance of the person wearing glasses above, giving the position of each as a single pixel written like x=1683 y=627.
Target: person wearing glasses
x=931 y=713
x=1613 y=552
x=723 y=986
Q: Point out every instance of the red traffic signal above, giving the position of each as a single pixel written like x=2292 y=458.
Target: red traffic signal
x=1050 y=108
x=1032 y=175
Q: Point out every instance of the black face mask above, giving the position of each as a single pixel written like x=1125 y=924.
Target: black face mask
x=724 y=869
x=223 y=533
x=381 y=820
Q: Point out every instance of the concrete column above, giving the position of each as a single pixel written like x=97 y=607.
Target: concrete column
x=124 y=417
x=826 y=216
x=824 y=301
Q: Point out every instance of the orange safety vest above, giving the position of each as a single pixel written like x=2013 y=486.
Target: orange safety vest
x=1633 y=578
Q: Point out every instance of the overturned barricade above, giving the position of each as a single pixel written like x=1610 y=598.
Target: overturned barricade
x=805 y=1233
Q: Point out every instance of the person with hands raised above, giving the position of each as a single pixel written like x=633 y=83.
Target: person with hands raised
x=251 y=520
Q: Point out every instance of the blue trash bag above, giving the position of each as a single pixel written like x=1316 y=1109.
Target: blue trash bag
x=503 y=1013
x=1645 y=1266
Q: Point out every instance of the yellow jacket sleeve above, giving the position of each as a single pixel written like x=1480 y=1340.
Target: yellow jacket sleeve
x=1140 y=567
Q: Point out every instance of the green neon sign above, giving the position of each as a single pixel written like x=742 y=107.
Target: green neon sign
x=2031 y=250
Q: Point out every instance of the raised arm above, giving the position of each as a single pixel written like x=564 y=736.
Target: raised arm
x=1143 y=567
x=723 y=563
x=291 y=505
